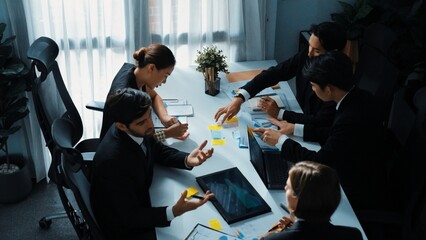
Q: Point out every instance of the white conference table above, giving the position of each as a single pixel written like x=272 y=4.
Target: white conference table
x=168 y=183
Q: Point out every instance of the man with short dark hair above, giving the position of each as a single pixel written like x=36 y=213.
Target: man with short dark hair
x=326 y=36
x=354 y=143
x=123 y=171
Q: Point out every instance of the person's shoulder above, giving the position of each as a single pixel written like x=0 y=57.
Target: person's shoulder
x=350 y=233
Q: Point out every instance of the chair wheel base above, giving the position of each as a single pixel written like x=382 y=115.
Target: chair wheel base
x=44 y=223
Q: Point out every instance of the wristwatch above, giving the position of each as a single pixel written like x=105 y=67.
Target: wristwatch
x=239 y=95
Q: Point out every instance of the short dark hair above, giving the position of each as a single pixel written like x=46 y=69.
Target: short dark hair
x=317 y=188
x=333 y=67
x=128 y=104
x=332 y=36
x=158 y=54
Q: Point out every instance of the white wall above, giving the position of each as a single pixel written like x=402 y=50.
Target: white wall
x=294 y=16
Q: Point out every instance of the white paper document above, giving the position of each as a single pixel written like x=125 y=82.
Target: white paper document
x=180 y=110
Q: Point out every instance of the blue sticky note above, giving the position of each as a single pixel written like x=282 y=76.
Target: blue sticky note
x=216 y=134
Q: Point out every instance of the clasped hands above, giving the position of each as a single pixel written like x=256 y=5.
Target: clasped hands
x=271 y=136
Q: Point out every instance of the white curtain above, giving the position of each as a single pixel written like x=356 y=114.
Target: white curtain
x=96 y=37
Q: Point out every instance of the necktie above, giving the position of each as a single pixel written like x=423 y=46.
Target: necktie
x=144 y=149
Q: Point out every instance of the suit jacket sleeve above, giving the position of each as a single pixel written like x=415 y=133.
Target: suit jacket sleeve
x=335 y=147
x=281 y=72
x=323 y=116
x=118 y=185
x=167 y=156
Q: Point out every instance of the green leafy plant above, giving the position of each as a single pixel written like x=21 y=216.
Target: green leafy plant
x=13 y=84
x=353 y=17
x=211 y=61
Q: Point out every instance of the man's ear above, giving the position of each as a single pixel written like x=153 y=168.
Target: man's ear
x=121 y=126
x=329 y=89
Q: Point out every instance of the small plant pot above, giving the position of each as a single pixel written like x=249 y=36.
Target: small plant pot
x=16 y=186
x=212 y=88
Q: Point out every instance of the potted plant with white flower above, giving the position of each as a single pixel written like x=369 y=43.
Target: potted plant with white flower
x=211 y=61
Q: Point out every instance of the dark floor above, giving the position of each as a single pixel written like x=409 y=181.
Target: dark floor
x=21 y=220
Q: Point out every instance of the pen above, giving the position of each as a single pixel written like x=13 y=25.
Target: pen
x=275 y=226
x=170 y=100
x=282 y=205
x=197 y=197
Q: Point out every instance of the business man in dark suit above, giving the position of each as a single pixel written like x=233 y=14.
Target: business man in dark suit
x=327 y=36
x=123 y=171
x=354 y=144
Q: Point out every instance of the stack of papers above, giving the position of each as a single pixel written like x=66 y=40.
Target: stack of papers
x=178 y=107
x=180 y=110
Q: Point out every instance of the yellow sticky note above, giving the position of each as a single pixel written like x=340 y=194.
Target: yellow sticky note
x=191 y=191
x=215 y=127
x=218 y=141
x=215 y=224
x=232 y=120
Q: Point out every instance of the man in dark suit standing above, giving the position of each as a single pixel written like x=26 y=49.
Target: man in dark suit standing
x=123 y=171
x=326 y=36
x=354 y=143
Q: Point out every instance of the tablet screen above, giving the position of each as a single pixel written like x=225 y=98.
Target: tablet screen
x=235 y=198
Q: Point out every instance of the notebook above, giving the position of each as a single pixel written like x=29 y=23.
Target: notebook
x=268 y=164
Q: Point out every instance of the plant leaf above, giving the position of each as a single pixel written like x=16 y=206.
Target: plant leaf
x=362 y=12
x=14 y=117
x=10 y=131
x=348 y=10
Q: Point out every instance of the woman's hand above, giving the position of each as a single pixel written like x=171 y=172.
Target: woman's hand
x=168 y=121
x=177 y=130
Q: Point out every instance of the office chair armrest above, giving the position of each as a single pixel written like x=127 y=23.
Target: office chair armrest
x=88 y=145
x=96 y=105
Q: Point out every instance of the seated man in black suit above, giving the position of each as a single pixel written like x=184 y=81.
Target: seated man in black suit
x=123 y=171
x=312 y=196
x=326 y=36
x=354 y=143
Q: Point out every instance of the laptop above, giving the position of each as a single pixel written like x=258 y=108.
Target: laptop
x=271 y=168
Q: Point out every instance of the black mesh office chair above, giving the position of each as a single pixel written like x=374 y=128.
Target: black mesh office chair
x=52 y=101
x=376 y=70
x=70 y=167
x=406 y=200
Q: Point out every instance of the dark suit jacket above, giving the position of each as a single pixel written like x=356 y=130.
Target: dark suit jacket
x=122 y=176
x=353 y=148
x=314 y=110
x=304 y=230
x=123 y=79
